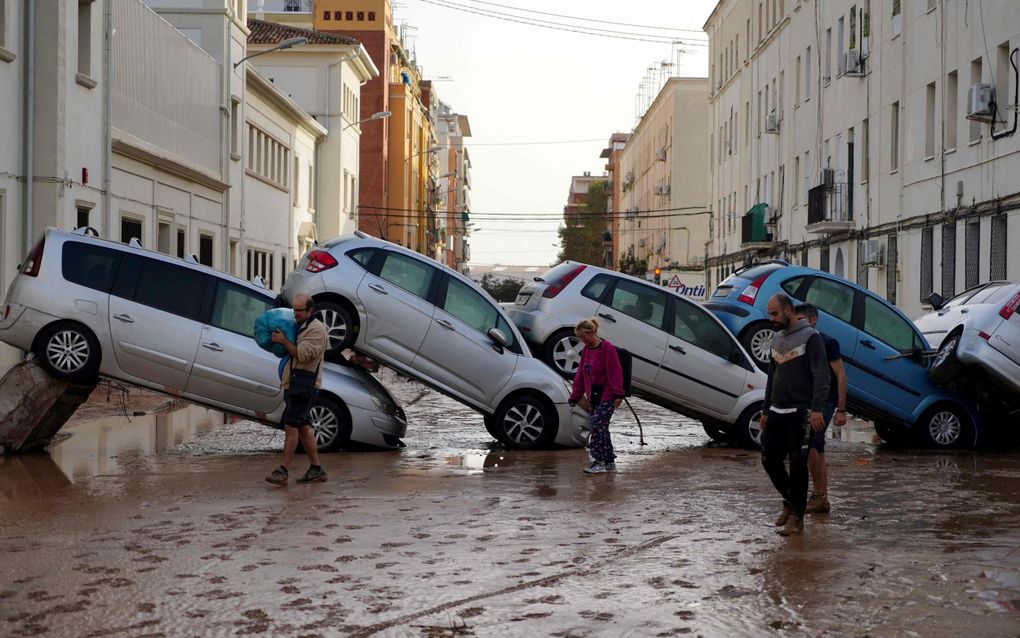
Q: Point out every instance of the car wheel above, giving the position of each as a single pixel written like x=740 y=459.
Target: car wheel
x=892 y=433
x=490 y=427
x=946 y=365
x=69 y=351
x=524 y=422
x=339 y=322
x=331 y=424
x=715 y=432
x=749 y=427
x=757 y=340
x=944 y=427
x=562 y=353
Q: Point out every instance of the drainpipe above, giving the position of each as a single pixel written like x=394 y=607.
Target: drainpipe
x=29 y=124
x=107 y=113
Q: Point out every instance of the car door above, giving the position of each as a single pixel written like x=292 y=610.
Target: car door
x=1006 y=336
x=632 y=318
x=458 y=353
x=154 y=320
x=395 y=295
x=230 y=368
x=697 y=366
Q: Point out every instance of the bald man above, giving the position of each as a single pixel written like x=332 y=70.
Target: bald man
x=305 y=362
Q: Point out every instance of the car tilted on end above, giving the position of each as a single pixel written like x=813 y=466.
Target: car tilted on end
x=683 y=358
x=434 y=324
x=88 y=306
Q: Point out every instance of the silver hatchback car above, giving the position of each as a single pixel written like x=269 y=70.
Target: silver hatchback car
x=684 y=359
x=436 y=325
x=87 y=306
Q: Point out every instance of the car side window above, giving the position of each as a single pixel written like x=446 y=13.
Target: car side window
x=466 y=304
x=834 y=298
x=692 y=324
x=235 y=309
x=887 y=326
x=90 y=266
x=791 y=286
x=362 y=256
x=641 y=302
x=596 y=287
x=407 y=272
x=170 y=288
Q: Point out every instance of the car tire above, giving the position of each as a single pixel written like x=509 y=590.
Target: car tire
x=748 y=427
x=68 y=351
x=946 y=365
x=331 y=424
x=715 y=432
x=490 y=427
x=524 y=422
x=944 y=427
x=340 y=325
x=562 y=353
x=757 y=339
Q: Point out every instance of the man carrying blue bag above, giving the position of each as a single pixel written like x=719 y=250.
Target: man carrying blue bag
x=301 y=379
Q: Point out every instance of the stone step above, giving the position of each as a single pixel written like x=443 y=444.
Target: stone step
x=34 y=406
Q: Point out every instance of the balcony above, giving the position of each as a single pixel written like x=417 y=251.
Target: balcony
x=753 y=233
x=828 y=212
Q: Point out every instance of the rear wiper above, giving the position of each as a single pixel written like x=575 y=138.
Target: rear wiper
x=539 y=280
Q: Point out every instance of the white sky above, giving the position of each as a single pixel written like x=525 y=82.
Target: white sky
x=520 y=83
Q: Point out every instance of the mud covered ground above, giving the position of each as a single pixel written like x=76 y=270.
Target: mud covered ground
x=162 y=525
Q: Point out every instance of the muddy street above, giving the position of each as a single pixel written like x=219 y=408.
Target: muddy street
x=162 y=525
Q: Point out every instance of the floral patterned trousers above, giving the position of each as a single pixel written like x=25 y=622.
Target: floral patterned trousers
x=600 y=446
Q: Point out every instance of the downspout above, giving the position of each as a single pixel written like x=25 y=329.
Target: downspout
x=225 y=125
x=107 y=113
x=29 y=132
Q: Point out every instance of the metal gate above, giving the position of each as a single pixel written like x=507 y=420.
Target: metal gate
x=890 y=270
x=972 y=262
x=948 y=261
x=997 y=268
x=926 y=264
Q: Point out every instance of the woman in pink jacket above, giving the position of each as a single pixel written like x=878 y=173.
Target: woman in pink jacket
x=598 y=388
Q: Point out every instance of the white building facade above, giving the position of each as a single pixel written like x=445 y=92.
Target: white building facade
x=840 y=139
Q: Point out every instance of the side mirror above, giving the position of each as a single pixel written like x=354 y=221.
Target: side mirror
x=936 y=301
x=499 y=340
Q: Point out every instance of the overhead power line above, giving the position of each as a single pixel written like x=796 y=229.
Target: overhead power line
x=579 y=19
x=490 y=217
x=596 y=139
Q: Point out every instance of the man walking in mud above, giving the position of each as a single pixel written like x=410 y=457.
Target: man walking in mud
x=798 y=385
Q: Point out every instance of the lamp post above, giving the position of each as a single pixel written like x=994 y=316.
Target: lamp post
x=381 y=115
x=286 y=44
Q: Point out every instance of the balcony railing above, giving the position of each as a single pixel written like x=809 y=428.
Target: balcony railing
x=828 y=211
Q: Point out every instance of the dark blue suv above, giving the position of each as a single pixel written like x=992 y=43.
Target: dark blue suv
x=885 y=355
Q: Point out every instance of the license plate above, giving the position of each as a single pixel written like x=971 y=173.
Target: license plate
x=522 y=298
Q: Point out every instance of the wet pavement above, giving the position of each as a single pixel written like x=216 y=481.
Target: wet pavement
x=161 y=525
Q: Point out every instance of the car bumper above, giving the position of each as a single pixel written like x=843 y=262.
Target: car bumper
x=577 y=426
x=22 y=325
x=975 y=351
x=371 y=427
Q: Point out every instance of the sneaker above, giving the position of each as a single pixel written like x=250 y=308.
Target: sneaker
x=610 y=467
x=784 y=515
x=313 y=475
x=278 y=477
x=818 y=504
x=595 y=468
x=794 y=527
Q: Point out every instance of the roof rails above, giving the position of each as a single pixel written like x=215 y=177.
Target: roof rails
x=85 y=231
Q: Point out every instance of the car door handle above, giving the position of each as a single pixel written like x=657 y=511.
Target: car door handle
x=446 y=324
x=379 y=289
x=867 y=343
x=124 y=318
x=678 y=349
x=213 y=346
x=964 y=311
x=607 y=316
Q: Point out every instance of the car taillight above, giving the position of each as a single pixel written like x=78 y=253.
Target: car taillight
x=749 y=294
x=1007 y=311
x=557 y=286
x=31 y=266
x=319 y=260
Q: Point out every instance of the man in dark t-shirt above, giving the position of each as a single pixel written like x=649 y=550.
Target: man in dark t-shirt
x=834 y=409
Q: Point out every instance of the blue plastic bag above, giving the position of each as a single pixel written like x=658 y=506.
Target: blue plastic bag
x=276 y=319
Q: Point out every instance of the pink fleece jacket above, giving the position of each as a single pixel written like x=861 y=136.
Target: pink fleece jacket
x=599 y=367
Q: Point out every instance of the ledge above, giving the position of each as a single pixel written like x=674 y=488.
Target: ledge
x=129 y=146
x=7 y=56
x=85 y=81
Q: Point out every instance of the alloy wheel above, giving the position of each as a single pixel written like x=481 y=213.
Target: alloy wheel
x=754 y=428
x=336 y=327
x=325 y=423
x=567 y=354
x=761 y=344
x=523 y=423
x=945 y=428
x=947 y=349
x=67 y=351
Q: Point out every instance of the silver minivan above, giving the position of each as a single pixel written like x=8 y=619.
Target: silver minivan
x=684 y=359
x=88 y=306
x=436 y=325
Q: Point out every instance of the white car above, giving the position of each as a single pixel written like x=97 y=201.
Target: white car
x=436 y=325
x=684 y=358
x=88 y=306
x=978 y=329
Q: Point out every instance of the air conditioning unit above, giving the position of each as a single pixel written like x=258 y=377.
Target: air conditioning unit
x=772 y=123
x=853 y=63
x=872 y=252
x=979 y=102
x=827 y=177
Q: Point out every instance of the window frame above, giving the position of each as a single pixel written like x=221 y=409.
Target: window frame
x=221 y=284
x=654 y=290
x=441 y=290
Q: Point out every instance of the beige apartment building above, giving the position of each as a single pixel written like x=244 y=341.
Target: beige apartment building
x=664 y=198
x=868 y=138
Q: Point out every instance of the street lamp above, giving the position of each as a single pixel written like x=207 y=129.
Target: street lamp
x=381 y=115
x=286 y=44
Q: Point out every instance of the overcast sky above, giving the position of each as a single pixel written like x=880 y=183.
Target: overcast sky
x=523 y=83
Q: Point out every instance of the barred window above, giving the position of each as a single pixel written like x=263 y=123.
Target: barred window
x=972 y=237
x=890 y=270
x=823 y=258
x=268 y=158
x=948 y=261
x=862 y=270
x=997 y=268
x=926 y=284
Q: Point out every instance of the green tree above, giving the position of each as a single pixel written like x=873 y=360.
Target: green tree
x=584 y=242
x=500 y=289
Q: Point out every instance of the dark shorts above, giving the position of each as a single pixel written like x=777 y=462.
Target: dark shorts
x=295 y=414
x=818 y=438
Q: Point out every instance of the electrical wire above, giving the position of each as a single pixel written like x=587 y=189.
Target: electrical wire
x=660 y=213
x=596 y=139
x=560 y=15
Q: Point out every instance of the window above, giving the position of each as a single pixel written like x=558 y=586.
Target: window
x=828 y=55
x=130 y=227
x=235 y=130
x=948 y=261
x=691 y=324
x=834 y=298
x=595 y=288
x=268 y=158
x=260 y=264
x=338 y=15
x=975 y=78
x=972 y=254
x=362 y=256
x=325 y=15
x=163 y=237
x=929 y=121
x=865 y=150
x=884 y=324
x=235 y=308
x=168 y=287
x=83 y=218
x=349 y=15
x=1003 y=72
x=997 y=266
x=926 y=264
x=205 y=249
x=371 y=18
x=464 y=303
x=894 y=137
x=840 y=62
x=896 y=19
x=88 y=265
x=407 y=272
x=640 y=302
x=807 y=74
x=951 y=109
x=796 y=66
x=181 y=247
x=361 y=16
x=85 y=37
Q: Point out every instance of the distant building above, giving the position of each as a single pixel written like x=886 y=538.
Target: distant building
x=499 y=272
x=614 y=177
x=577 y=197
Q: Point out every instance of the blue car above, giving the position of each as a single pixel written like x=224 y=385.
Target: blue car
x=886 y=357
